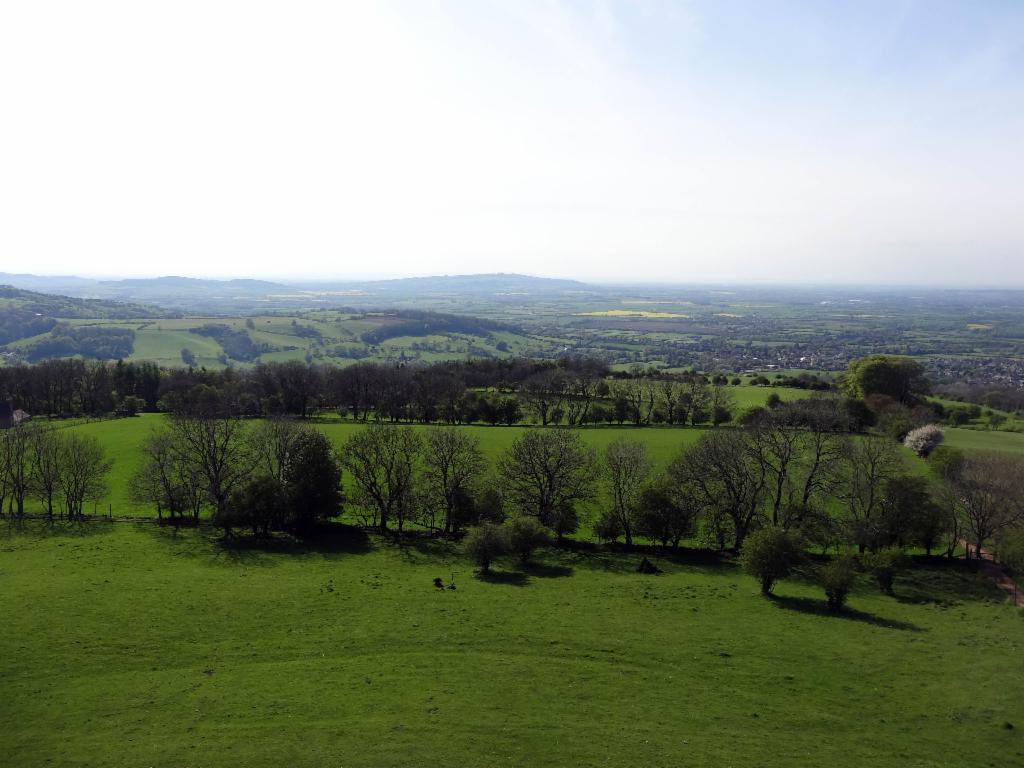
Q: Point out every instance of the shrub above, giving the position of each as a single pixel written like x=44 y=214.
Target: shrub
x=484 y=543
x=607 y=527
x=837 y=580
x=883 y=567
x=768 y=555
x=525 y=535
x=924 y=440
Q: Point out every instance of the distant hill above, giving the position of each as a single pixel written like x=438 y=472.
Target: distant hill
x=483 y=283
x=249 y=295
x=24 y=314
x=73 y=308
x=173 y=282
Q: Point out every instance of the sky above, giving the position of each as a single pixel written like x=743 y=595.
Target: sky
x=759 y=141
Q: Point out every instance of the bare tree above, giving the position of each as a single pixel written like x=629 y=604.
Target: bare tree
x=383 y=460
x=775 y=444
x=670 y=395
x=626 y=470
x=871 y=462
x=454 y=463
x=272 y=441
x=215 y=446
x=639 y=394
x=729 y=483
x=989 y=491
x=16 y=447
x=694 y=399
x=546 y=473
x=46 y=466
x=165 y=479
x=544 y=394
x=800 y=446
x=580 y=391
x=83 y=476
x=824 y=422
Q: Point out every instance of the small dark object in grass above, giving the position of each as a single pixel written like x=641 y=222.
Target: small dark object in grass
x=1007 y=726
x=646 y=566
x=451 y=586
x=439 y=583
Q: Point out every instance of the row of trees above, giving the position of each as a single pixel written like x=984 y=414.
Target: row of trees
x=63 y=471
x=277 y=475
x=795 y=468
x=572 y=391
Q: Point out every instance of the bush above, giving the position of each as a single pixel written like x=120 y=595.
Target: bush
x=484 y=543
x=883 y=567
x=837 y=579
x=768 y=555
x=924 y=440
x=525 y=535
x=607 y=527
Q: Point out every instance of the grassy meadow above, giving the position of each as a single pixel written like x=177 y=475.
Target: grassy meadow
x=128 y=644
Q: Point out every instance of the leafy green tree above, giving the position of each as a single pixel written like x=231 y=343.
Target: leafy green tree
x=837 y=578
x=667 y=512
x=485 y=543
x=883 y=567
x=768 y=555
x=526 y=535
x=258 y=503
x=546 y=472
x=311 y=480
x=901 y=378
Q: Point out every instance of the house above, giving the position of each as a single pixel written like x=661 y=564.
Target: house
x=11 y=416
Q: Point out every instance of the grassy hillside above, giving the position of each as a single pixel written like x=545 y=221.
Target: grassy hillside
x=322 y=336
x=127 y=645
x=985 y=440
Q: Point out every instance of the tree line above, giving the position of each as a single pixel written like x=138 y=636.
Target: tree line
x=797 y=468
x=572 y=391
x=61 y=470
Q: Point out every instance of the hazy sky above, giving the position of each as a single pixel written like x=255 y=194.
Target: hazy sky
x=678 y=141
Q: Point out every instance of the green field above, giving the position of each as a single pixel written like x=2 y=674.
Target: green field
x=130 y=645
x=984 y=440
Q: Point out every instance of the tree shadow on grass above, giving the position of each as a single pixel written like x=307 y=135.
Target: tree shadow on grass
x=40 y=527
x=508 y=578
x=944 y=583
x=546 y=570
x=332 y=540
x=820 y=608
x=617 y=558
x=416 y=548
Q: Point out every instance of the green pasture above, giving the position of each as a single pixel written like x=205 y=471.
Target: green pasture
x=974 y=440
x=134 y=645
x=164 y=347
